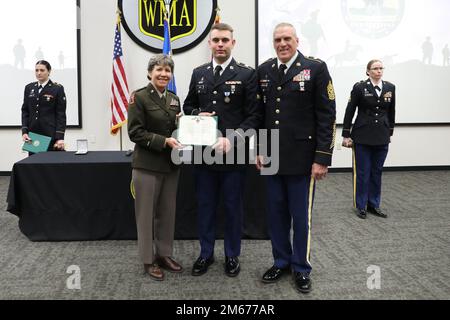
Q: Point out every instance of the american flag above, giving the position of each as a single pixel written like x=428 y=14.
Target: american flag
x=119 y=88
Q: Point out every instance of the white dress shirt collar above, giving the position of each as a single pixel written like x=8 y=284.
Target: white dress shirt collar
x=289 y=63
x=223 y=65
x=380 y=85
x=43 y=84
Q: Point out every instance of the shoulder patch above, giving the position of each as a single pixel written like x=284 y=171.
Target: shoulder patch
x=57 y=84
x=132 y=97
x=330 y=91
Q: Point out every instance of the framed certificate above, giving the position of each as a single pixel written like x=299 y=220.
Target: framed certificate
x=197 y=130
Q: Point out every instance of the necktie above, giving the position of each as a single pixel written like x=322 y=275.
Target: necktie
x=217 y=73
x=40 y=89
x=281 y=69
x=377 y=90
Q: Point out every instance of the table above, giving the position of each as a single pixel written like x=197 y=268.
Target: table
x=60 y=196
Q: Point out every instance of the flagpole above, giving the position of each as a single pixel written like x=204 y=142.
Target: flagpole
x=167 y=2
x=120 y=129
x=168 y=49
x=118 y=12
x=168 y=23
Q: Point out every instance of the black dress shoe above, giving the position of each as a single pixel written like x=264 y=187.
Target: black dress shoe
x=201 y=266
x=232 y=266
x=274 y=274
x=361 y=213
x=376 y=211
x=302 y=282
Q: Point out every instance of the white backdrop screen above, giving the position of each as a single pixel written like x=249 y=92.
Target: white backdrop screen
x=34 y=30
x=410 y=37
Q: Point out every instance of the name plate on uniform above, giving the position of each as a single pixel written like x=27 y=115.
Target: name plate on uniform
x=197 y=130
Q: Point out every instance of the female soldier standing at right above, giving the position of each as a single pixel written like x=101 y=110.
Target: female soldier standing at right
x=369 y=137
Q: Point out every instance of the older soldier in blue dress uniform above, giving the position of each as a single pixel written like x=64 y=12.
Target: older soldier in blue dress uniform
x=298 y=98
x=369 y=136
x=226 y=89
x=44 y=108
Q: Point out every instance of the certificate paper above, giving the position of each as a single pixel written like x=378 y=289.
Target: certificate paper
x=197 y=130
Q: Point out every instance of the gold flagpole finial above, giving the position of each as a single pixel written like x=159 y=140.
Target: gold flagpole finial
x=217 y=18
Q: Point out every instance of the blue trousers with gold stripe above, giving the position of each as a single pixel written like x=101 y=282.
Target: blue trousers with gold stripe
x=290 y=202
x=368 y=162
x=210 y=185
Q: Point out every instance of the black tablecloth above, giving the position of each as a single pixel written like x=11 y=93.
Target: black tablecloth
x=61 y=196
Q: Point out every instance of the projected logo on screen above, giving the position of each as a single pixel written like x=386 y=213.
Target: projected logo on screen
x=190 y=22
x=373 y=18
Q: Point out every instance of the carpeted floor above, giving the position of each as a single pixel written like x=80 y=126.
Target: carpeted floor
x=411 y=249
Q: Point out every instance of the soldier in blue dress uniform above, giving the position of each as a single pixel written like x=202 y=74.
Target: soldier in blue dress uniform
x=297 y=96
x=226 y=89
x=369 y=137
x=44 y=108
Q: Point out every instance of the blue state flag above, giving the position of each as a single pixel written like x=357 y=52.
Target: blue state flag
x=168 y=51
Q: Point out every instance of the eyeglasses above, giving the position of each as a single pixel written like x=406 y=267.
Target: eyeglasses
x=378 y=68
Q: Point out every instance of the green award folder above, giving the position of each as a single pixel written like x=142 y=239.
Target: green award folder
x=38 y=143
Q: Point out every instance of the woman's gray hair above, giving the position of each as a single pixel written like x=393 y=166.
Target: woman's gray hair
x=160 y=60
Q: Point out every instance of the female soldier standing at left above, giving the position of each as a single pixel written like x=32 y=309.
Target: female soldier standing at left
x=44 y=108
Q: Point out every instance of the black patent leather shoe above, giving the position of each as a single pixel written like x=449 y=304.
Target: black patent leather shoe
x=232 y=266
x=376 y=211
x=361 y=213
x=302 y=282
x=201 y=266
x=274 y=274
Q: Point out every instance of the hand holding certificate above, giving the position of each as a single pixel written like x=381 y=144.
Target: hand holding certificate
x=37 y=143
x=197 y=130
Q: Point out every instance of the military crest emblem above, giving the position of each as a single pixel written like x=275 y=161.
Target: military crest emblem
x=183 y=18
x=189 y=21
x=373 y=19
